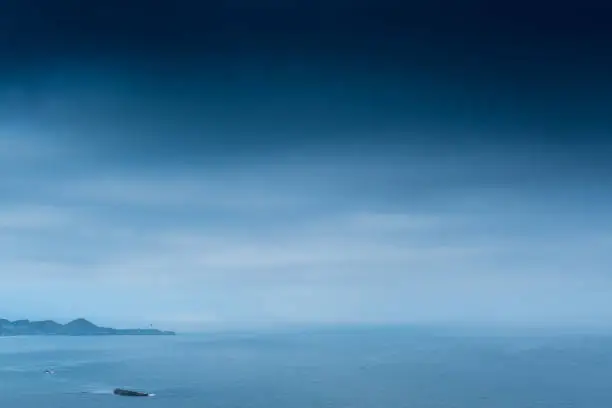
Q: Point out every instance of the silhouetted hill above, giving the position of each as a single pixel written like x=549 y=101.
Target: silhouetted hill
x=78 y=327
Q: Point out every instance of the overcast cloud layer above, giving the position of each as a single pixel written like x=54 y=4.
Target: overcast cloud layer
x=237 y=179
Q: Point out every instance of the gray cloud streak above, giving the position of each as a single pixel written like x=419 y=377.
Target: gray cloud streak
x=323 y=232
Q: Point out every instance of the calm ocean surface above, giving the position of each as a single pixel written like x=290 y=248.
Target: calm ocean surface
x=365 y=368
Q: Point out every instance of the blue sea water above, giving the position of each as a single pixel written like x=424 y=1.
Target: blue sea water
x=357 y=367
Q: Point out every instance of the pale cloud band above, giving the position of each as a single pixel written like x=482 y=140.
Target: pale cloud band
x=390 y=237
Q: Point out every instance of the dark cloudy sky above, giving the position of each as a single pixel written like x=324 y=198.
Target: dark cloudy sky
x=248 y=162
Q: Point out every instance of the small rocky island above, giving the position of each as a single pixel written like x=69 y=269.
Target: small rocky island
x=78 y=327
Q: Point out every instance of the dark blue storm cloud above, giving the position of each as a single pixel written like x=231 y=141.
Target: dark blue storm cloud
x=306 y=161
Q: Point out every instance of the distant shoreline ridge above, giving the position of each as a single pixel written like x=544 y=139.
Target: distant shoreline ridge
x=77 y=327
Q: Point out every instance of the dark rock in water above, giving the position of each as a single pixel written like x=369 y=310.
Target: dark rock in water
x=129 y=393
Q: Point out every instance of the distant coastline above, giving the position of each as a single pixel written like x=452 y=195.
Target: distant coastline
x=77 y=327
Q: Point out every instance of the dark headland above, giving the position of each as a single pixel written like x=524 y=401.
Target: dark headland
x=78 y=327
